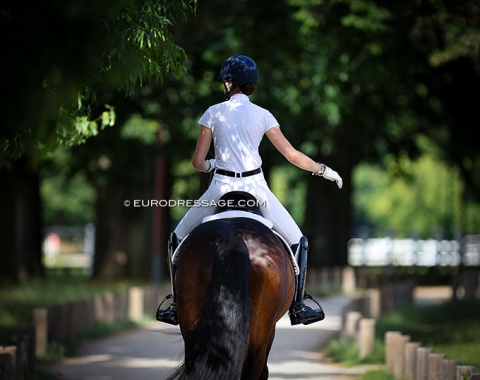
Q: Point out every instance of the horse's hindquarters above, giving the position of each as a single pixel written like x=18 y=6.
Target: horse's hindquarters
x=234 y=281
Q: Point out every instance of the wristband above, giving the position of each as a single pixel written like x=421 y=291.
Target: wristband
x=322 y=171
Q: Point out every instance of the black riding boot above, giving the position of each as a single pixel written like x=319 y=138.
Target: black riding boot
x=169 y=315
x=299 y=312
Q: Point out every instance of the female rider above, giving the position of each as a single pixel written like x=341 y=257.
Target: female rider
x=236 y=127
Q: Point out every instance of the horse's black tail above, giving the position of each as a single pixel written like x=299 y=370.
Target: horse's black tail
x=217 y=349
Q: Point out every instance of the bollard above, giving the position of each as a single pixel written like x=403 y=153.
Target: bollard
x=450 y=369
x=40 y=318
x=465 y=372
x=6 y=365
x=372 y=303
x=435 y=366
x=411 y=360
x=399 y=361
x=350 y=326
x=12 y=352
x=366 y=336
x=422 y=363
x=390 y=338
x=135 y=307
x=348 y=280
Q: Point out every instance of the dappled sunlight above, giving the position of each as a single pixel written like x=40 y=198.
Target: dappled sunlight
x=238 y=131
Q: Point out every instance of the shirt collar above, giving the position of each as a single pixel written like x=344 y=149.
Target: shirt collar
x=239 y=97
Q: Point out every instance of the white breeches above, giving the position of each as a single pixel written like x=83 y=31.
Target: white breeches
x=256 y=185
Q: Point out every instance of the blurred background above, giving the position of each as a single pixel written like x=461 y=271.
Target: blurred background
x=100 y=110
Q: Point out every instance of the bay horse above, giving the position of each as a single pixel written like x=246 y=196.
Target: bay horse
x=234 y=281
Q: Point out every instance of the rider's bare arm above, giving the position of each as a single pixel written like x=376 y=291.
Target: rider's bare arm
x=203 y=144
x=294 y=156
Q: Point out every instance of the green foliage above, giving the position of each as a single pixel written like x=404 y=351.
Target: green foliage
x=347 y=352
x=424 y=199
x=377 y=375
x=67 y=70
x=67 y=201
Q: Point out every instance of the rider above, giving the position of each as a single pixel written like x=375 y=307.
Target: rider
x=236 y=127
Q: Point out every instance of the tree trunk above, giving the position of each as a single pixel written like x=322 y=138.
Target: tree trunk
x=328 y=215
x=20 y=223
x=123 y=232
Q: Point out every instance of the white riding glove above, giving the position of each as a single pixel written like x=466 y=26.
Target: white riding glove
x=330 y=174
x=212 y=162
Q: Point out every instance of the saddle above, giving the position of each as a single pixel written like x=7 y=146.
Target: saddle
x=240 y=204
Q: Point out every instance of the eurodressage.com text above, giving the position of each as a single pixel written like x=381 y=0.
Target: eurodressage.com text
x=241 y=203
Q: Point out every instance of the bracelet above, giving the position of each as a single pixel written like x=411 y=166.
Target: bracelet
x=323 y=168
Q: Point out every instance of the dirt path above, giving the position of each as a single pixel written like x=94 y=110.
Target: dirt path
x=154 y=351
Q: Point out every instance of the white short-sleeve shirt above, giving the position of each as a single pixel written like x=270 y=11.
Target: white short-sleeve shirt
x=237 y=127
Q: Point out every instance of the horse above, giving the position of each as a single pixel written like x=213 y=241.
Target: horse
x=234 y=281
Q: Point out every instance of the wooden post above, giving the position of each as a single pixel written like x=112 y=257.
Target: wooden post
x=6 y=365
x=12 y=351
x=350 y=325
x=372 y=304
x=29 y=333
x=348 y=280
x=40 y=318
x=135 y=307
x=422 y=363
x=399 y=363
x=411 y=360
x=337 y=277
x=450 y=369
x=366 y=336
x=20 y=342
x=435 y=366
x=390 y=338
x=465 y=372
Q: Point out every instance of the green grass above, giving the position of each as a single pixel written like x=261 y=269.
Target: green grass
x=452 y=328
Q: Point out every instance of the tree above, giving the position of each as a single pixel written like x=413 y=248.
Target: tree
x=86 y=49
x=371 y=76
x=64 y=72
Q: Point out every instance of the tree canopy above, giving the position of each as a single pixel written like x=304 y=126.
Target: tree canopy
x=350 y=82
x=63 y=56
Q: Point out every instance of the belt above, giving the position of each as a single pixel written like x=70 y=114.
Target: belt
x=238 y=175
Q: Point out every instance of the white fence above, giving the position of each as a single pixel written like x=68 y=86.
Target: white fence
x=409 y=252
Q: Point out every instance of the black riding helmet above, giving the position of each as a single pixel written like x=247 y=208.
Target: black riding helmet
x=240 y=70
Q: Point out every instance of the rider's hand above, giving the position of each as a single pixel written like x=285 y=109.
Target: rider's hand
x=329 y=174
x=332 y=175
x=212 y=162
